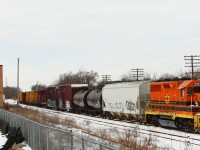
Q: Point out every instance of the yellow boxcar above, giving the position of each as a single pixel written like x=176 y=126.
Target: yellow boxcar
x=28 y=97
x=34 y=97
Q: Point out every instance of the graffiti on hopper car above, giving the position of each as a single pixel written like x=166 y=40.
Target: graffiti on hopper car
x=130 y=105
x=117 y=106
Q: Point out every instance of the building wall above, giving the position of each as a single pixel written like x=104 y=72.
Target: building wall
x=1 y=85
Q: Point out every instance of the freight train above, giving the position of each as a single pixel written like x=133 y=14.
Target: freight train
x=169 y=103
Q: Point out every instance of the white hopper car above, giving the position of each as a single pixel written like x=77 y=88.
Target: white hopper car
x=125 y=100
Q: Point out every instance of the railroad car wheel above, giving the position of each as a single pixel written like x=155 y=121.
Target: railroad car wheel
x=149 y=119
x=109 y=116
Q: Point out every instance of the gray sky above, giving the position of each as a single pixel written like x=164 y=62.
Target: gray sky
x=52 y=37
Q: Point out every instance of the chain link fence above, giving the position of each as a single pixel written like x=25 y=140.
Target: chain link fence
x=41 y=137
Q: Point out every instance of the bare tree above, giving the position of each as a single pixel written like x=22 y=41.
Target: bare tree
x=38 y=86
x=154 y=77
x=10 y=92
x=127 y=77
x=77 y=78
x=197 y=74
x=147 y=76
x=166 y=76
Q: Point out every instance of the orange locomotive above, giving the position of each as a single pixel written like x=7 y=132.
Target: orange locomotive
x=175 y=104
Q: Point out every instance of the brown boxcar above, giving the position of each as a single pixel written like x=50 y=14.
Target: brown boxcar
x=66 y=93
x=42 y=98
x=22 y=97
x=52 y=97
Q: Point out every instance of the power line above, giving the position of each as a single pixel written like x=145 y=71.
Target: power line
x=138 y=73
x=192 y=61
x=106 y=78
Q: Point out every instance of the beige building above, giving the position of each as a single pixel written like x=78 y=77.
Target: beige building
x=1 y=86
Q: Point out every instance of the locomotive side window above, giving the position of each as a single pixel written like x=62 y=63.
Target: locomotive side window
x=190 y=90
x=196 y=89
x=182 y=92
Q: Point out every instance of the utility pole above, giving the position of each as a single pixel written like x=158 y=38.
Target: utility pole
x=193 y=61
x=17 y=81
x=138 y=73
x=106 y=78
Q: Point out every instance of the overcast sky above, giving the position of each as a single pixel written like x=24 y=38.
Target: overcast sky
x=112 y=37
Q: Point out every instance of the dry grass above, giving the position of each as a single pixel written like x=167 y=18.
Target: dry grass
x=130 y=139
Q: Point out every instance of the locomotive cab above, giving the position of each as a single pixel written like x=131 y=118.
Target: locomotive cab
x=192 y=96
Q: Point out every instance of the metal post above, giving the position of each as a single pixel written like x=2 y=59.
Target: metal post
x=39 y=139
x=47 y=138
x=101 y=147
x=83 y=146
x=58 y=135
x=28 y=134
x=33 y=135
x=71 y=141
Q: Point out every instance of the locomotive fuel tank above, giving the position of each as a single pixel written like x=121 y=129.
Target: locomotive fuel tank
x=125 y=100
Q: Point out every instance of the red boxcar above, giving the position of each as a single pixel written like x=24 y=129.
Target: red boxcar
x=52 y=94
x=66 y=93
x=42 y=98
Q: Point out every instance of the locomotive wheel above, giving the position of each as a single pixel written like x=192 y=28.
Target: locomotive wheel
x=188 y=125
x=179 y=123
x=156 y=121
x=149 y=119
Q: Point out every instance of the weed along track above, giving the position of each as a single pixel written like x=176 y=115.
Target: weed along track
x=111 y=130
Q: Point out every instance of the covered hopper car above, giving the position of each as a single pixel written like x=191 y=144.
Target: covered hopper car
x=125 y=100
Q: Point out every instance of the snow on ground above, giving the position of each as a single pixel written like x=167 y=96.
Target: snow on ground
x=3 y=140
x=10 y=101
x=163 y=139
